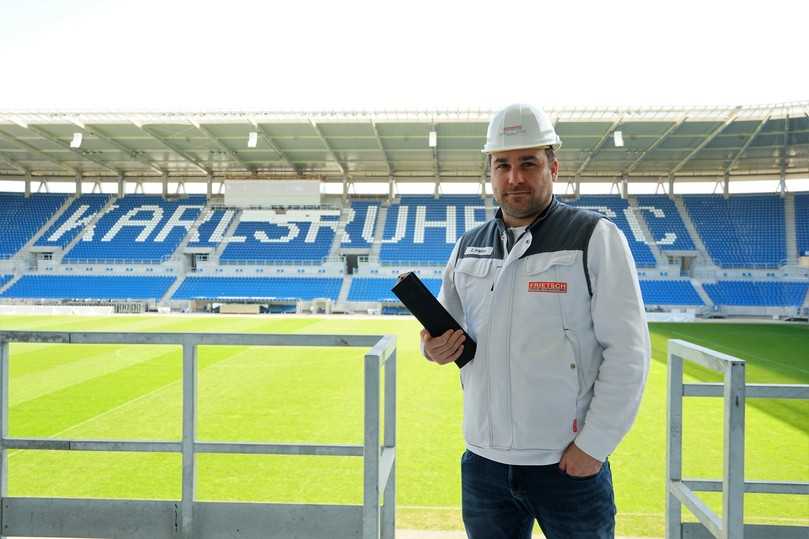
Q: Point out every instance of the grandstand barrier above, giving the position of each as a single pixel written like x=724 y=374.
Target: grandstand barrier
x=681 y=491
x=190 y=519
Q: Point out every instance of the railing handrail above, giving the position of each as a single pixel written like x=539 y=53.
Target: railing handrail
x=734 y=391
x=59 y=517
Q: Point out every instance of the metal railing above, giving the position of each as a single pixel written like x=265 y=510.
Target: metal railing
x=680 y=491
x=188 y=518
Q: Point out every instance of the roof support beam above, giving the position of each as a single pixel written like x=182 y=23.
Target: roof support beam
x=705 y=142
x=37 y=151
x=382 y=148
x=182 y=153
x=10 y=161
x=598 y=146
x=93 y=130
x=746 y=145
x=654 y=145
x=340 y=165
x=83 y=155
x=230 y=153
x=267 y=138
x=436 y=166
x=782 y=181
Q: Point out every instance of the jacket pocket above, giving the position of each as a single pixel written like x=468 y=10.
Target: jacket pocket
x=473 y=281
x=544 y=392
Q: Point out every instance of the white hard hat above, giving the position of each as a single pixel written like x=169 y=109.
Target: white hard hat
x=517 y=127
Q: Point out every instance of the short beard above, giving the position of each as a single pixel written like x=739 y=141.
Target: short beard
x=531 y=211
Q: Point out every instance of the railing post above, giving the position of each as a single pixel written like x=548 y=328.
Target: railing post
x=370 y=459
x=389 y=497
x=189 y=437
x=4 y=368
x=733 y=476
x=674 y=447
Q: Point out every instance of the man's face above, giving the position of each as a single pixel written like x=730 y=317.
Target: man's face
x=522 y=181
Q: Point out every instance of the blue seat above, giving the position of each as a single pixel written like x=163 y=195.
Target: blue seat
x=89 y=287
x=286 y=288
x=370 y=289
x=669 y=293
x=21 y=217
x=802 y=223
x=741 y=231
x=665 y=223
x=73 y=220
x=757 y=293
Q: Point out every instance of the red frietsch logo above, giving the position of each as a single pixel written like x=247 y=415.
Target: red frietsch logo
x=547 y=286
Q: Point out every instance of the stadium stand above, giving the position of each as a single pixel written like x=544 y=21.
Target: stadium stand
x=271 y=236
x=616 y=208
x=138 y=228
x=360 y=229
x=669 y=293
x=757 y=293
x=424 y=229
x=802 y=223
x=305 y=288
x=665 y=223
x=95 y=287
x=364 y=289
x=4 y=279
x=210 y=232
x=741 y=231
x=73 y=220
x=21 y=217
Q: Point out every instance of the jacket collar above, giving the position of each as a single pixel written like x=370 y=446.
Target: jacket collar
x=549 y=209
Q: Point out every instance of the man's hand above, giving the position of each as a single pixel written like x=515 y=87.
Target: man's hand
x=445 y=348
x=577 y=463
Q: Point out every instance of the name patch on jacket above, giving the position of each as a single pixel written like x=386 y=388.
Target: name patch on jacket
x=554 y=287
x=481 y=251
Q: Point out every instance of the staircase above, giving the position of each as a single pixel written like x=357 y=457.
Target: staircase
x=89 y=226
x=702 y=293
x=376 y=246
x=342 y=297
x=11 y=282
x=231 y=229
x=660 y=258
x=172 y=289
x=692 y=230
x=201 y=218
x=789 y=221
x=339 y=232
x=44 y=228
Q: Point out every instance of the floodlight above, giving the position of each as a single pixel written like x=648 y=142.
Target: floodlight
x=252 y=139
x=76 y=142
x=433 y=140
x=618 y=138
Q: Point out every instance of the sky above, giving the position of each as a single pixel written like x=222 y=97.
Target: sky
x=176 y=55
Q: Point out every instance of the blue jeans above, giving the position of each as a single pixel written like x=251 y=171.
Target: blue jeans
x=501 y=501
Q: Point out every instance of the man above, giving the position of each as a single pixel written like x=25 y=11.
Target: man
x=551 y=296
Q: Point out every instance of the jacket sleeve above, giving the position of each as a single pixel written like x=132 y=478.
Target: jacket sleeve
x=448 y=295
x=619 y=322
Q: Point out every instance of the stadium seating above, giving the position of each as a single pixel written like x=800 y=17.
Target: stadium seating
x=365 y=289
x=741 y=231
x=665 y=223
x=21 y=217
x=757 y=293
x=270 y=236
x=615 y=207
x=96 y=287
x=802 y=223
x=74 y=219
x=360 y=229
x=212 y=230
x=424 y=229
x=4 y=279
x=138 y=228
x=669 y=293
x=305 y=288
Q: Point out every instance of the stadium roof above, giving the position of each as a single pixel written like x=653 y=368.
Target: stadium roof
x=749 y=142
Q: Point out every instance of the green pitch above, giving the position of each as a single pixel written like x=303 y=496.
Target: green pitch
x=315 y=396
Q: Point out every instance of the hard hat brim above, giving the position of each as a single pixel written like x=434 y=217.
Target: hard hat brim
x=527 y=147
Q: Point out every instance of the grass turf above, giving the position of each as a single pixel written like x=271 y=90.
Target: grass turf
x=315 y=395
